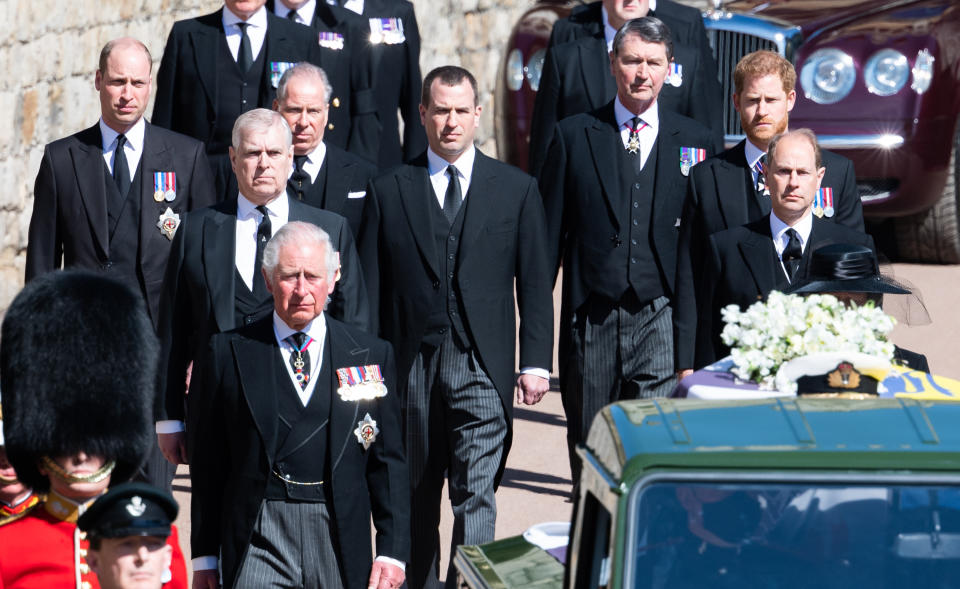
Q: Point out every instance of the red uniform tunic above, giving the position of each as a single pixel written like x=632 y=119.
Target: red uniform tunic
x=46 y=549
x=9 y=513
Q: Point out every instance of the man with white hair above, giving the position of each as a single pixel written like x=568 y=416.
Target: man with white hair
x=299 y=469
x=213 y=281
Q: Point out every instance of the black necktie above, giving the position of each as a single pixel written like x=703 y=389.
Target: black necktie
x=121 y=171
x=300 y=358
x=300 y=178
x=245 y=54
x=453 y=196
x=264 y=232
x=792 y=253
x=292 y=15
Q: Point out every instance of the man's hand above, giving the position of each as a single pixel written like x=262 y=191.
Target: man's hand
x=682 y=374
x=531 y=388
x=174 y=447
x=383 y=575
x=208 y=579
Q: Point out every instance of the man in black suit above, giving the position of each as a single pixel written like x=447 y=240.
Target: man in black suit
x=453 y=231
x=576 y=74
x=212 y=284
x=395 y=43
x=347 y=57
x=612 y=194
x=286 y=475
x=94 y=210
x=745 y=263
x=220 y=65
x=727 y=190
x=324 y=175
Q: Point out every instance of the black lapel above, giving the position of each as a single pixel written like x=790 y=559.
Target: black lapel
x=258 y=363
x=344 y=415
x=669 y=182
x=219 y=262
x=595 y=69
x=602 y=137
x=206 y=53
x=480 y=202
x=156 y=158
x=88 y=166
x=757 y=255
x=416 y=196
x=338 y=178
x=732 y=188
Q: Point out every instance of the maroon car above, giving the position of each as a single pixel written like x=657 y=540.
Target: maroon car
x=879 y=82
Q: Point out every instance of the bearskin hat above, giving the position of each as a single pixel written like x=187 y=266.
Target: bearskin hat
x=78 y=363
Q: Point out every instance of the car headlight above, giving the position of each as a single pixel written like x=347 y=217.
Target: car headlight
x=827 y=76
x=886 y=72
x=515 y=70
x=535 y=68
x=922 y=72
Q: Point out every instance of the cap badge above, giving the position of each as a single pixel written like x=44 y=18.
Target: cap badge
x=844 y=376
x=366 y=431
x=136 y=507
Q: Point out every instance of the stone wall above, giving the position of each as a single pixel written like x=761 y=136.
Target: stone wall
x=49 y=50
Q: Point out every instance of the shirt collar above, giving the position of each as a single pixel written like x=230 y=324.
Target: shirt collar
x=608 y=31
x=752 y=153
x=802 y=227
x=134 y=135
x=651 y=116
x=278 y=207
x=318 y=154
x=317 y=328
x=305 y=12
x=257 y=19
x=464 y=163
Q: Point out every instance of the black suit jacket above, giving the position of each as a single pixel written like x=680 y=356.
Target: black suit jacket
x=397 y=83
x=342 y=192
x=69 y=222
x=501 y=243
x=717 y=199
x=198 y=295
x=581 y=191
x=741 y=269
x=187 y=81
x=576 y=74
x=232 y=439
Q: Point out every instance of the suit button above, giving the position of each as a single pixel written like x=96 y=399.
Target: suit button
x=633 y=260
x=636 y=204
x=450 y=257
x=106 y=265
x=335 y=102
x=443 y=330
x=248 y=320
x=637 y=186
x=449 y=274
x=453 y=238
x=330 y=126
x=436 y=284
x=635 y=222
x=633 y=241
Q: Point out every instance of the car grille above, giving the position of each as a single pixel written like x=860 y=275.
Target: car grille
x=731 y=37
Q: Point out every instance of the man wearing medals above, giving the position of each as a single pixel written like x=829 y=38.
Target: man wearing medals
x=78 y=371
x=111 y=197
x=613 y=225
x=294 y=431
x=729 y=189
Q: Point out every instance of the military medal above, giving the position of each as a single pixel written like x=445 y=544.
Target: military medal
x=675 y=77
x=276 y=71
x=366 y=431
x=360 y=383
x=168 y=223
x=826 y=199
x=332 y=41
x=633 y=142
x=164 y=186
x=689 y=157
x=302 y=377
x=386 y=30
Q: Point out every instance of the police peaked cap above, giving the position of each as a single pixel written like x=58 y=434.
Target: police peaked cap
x=78 y=364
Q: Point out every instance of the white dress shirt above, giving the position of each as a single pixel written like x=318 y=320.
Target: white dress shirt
x=314 y=162
x=257 y=31
x=778 y=229
x=437 y=168
x=648 y=131
x=608 y=31
x=304 y=13
x=248 y=220
x=133 y=149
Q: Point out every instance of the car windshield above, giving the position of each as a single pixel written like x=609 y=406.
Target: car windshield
x=784 y=535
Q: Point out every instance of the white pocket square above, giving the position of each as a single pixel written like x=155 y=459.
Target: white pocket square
x=677 y=224
x=360 y=194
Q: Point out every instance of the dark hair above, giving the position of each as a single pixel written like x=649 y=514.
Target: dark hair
x=806 y=134
x=649 y=28
x=449 y=75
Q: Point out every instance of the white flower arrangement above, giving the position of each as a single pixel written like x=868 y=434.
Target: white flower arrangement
x=769 y=334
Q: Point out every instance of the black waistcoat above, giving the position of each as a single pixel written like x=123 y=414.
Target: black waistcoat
x=248 y=308
x=236 y=93
x=638 y=268
x=447 y=308
x=124 y=230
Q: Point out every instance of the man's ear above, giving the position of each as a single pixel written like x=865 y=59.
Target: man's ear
x=93 y=559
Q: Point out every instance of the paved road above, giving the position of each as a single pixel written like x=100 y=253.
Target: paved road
x=537 y=479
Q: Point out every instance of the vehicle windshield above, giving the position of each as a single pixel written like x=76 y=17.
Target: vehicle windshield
x=782 y=535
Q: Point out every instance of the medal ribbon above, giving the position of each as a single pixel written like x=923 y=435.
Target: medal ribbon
x=298 y=363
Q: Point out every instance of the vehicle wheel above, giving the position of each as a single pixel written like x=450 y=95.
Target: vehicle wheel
x=933 y=236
